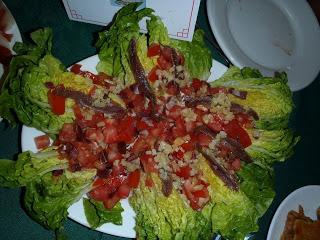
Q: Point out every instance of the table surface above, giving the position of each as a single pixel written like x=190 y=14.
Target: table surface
x=74 y=41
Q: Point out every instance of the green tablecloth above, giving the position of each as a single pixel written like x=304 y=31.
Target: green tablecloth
x=73 y=41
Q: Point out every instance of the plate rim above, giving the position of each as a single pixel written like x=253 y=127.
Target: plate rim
x=284 y=202
x=229 y=45
x=216 y=71
x=14 y=30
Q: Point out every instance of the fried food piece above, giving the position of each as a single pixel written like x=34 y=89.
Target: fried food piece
x=300 y=227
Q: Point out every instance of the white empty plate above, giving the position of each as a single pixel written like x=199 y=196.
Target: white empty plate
x=308 y=197
x=270 y=35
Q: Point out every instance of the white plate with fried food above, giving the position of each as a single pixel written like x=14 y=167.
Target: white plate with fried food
x=308 y=197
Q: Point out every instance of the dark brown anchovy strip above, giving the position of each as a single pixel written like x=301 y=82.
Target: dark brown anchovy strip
x=49 y=85
x=87 y=101
x=167 y=185
x=174 y=56
x=237 y=108
x=253 y=114
x=193 y=102
x=238 y=93
x=79 y=132
x=205 y=130
x=236 y=149
x=174 y=59
x=139 y=73
x=229 y=179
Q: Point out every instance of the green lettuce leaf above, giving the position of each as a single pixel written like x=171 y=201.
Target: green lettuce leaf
x=48 y=198
x=235 y=214
x=160 y=217
x=113 y=46
x=272 y=146
x=270 y=97
x=97 y=214
x=198 y=59
x=24 y=96
x=29 y=167
x=113 y=43
x=257 y=183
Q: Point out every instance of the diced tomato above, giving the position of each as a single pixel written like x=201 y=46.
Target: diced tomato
x=184 y=172
x=138 y=104
x=193 y=195
x=235 y=131
x=98 y=117
x=99 y=193
x=204 y=140
x=178 y=154
x=118 y=170
x=93 y=134
x=98 y=182
x=126 y=130
x=236 y=164
x=76 y=68
x=152 y=75
x=111 y=202
x=142 y=125
x=172 y=88
x=216 y=123
x=188 y=189
x=106 y=187
x=203 y=193
x=188 y=146
x=123 y=191
x=163 y=63
x=57 y=103
x=110 y=134
x=175 y=112
x=134 y=179
x=42 y=141
x=155 y=131
x=244 y=120
x=180 y=129
x=67 y=133
x=100 y=79
x=187 y=90
x=196 y=84
x=149 y=182
x=158 y=129
x=148 y=163
x=153 y=50
x=85 y=156
x=140 y=145
x=127 y=95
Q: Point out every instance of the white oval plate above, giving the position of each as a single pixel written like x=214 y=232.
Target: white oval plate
x=12 y=28
x=76 y=211
x=269 y=35
x=308 y=197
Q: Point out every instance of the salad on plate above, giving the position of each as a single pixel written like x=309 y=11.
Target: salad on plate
x=194 y=158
